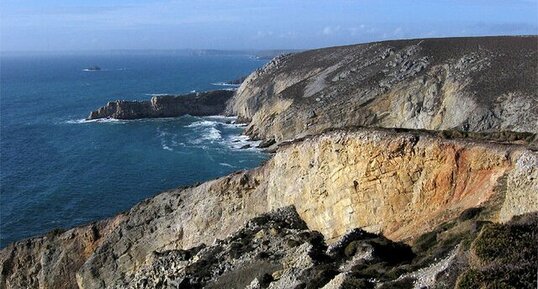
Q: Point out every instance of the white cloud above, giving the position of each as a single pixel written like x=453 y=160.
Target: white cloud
x=328 y=30
x=263 y=34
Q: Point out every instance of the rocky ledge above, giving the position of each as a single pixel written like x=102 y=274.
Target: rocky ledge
x=198 y=104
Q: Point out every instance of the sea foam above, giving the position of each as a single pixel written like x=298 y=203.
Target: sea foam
x=99 y=120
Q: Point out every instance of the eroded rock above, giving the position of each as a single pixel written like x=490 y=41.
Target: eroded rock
x=197 y=104
x=480 y=84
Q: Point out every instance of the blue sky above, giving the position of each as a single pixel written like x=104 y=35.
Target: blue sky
x=56 y=25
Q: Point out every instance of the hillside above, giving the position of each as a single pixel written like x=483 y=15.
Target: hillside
x=481 y=84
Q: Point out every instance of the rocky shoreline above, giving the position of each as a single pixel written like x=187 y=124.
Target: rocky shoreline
x=196 y=104
x=403 y=185
x=399 y=164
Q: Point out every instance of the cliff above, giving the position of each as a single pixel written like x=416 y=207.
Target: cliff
x=342 y=204
x=399 y=184
x=198 y=104
x=469 y=84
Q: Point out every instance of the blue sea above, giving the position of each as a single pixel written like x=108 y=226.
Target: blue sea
x=59 y=171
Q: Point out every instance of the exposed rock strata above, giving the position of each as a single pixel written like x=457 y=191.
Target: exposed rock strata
x=398 y=184
x=51 y=261
x=450 y=195
x=277 y=250
x=471 y=84
x=198 y=104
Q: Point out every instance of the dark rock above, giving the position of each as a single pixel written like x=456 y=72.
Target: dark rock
x=197 y=104
x=468 y=214
x=237 y=81
x=353 y=235
x=267 y=143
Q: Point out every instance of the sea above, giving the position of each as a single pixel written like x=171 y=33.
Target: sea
x=58 y=170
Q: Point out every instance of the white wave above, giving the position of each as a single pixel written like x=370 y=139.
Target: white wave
x=226 y=121
x=164 y=146
x=162 y=133
x=234 y=125
x=212 y=134
x=158 y=94
x=226 y=165
x=225 y=84
x=177 y=144
x=167 y=140
x=207 y=129
x=114 y=120
x=203 y=123
x=74 y=121
x=100 y=120
x=222 y=117
x=242 y=142
x=168 y=93
x=239 y=138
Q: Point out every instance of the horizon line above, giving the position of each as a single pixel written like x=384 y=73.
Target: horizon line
x=253 y=49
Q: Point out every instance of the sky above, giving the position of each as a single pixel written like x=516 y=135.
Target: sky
x=73 y=25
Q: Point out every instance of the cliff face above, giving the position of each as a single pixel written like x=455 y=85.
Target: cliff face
x=398 y=184
x=277 y=250
x=52 y=261
x=198 y=104
x=447 y=194
x=471 y=84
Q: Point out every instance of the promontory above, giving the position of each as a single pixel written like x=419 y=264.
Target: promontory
x=397 y=164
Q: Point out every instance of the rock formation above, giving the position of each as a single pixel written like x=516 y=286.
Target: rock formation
x=400 y=184
x=198 y=104
x=277 y=250
x=349 y=207
x=468 y=84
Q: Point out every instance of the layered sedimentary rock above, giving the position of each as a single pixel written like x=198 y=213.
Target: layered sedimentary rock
x=198 y=104
x=400 y=184
x=277 y=250
x=51 y=261
x=464 y=201
x=469 y=84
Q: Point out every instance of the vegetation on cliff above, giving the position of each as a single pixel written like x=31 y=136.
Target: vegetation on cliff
x=338 y=208
x=479 y=84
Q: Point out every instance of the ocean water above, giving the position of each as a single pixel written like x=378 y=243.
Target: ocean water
x=59 y=171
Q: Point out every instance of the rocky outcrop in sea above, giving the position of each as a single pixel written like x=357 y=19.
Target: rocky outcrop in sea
x=400 y=164
x=196 y=104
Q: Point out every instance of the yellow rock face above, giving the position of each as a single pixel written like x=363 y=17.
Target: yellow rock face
x=399 y=184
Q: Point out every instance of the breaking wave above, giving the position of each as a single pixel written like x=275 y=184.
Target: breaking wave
x=99 y=120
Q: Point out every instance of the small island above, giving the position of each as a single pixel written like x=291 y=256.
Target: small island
x=196 y=104
x=93 y=68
